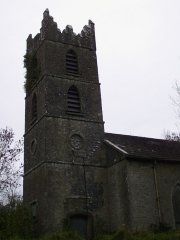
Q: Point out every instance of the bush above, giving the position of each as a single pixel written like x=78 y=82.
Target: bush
x=126 y=235
x=66 y=235
x=15 y=221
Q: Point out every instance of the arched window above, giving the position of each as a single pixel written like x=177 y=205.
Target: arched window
x=34 y=108
x=176 y=205
x=73 y=100
x=71 y=62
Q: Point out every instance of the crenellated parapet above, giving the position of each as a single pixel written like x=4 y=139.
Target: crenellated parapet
x=50 y=31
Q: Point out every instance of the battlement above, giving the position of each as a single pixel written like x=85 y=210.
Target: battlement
x=50 y=31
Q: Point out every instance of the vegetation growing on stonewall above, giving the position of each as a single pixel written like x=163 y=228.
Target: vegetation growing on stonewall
x=32 y=70
x=120 y=235
x=17 y=223
x=125 y=235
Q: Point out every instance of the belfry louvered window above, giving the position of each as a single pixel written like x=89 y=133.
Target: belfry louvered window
x=73 y=100
x=34 y=108
x=71 y=62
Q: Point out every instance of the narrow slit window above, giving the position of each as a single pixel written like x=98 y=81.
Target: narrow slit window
x=34 y=108
x=73 y=100
x=71 y=62
x=34 y=209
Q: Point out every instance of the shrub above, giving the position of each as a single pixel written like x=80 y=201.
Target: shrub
x=65 y=235
x=126 y=235
x=32 y=70
x=15 y=222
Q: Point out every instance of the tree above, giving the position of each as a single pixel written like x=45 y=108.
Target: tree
x=175 y=136
x=10 y=167
x=172 y=136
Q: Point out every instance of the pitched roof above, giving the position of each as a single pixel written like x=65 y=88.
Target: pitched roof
x=144 y=148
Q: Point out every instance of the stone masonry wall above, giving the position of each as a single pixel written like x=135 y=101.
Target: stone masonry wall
x=142 y=195
x=168 y=175
x=117 y=196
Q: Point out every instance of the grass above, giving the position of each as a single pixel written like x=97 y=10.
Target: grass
x=125 y=235
x=120 y=235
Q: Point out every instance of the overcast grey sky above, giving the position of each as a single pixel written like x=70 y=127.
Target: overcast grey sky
x=138 y=50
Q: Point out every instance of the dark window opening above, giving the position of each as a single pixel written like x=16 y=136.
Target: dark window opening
x=34 y=108
x=34 y=209
x=71 y=62
x=73 y=100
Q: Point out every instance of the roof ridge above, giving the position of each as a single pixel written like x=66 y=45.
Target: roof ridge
x=140 y=137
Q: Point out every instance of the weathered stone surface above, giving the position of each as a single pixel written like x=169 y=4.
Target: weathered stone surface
x=71 y=167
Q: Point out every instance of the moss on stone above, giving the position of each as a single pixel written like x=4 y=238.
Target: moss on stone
x=32 y=70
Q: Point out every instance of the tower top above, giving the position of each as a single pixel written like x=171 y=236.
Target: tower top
x=50 y=31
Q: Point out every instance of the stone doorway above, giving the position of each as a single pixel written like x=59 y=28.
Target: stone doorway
x=82 y=223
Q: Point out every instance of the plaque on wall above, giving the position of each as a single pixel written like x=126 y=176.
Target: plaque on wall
x=76 y=141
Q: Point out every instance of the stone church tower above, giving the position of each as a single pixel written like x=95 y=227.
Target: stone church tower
x=75 y=174
x=64 y=128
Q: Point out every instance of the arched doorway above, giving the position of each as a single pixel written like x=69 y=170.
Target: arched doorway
x=82 y=223
x=176 y=205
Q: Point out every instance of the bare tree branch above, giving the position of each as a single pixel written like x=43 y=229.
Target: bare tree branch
x=10 y=172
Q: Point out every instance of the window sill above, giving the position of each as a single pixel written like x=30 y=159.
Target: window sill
x=75 y=114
